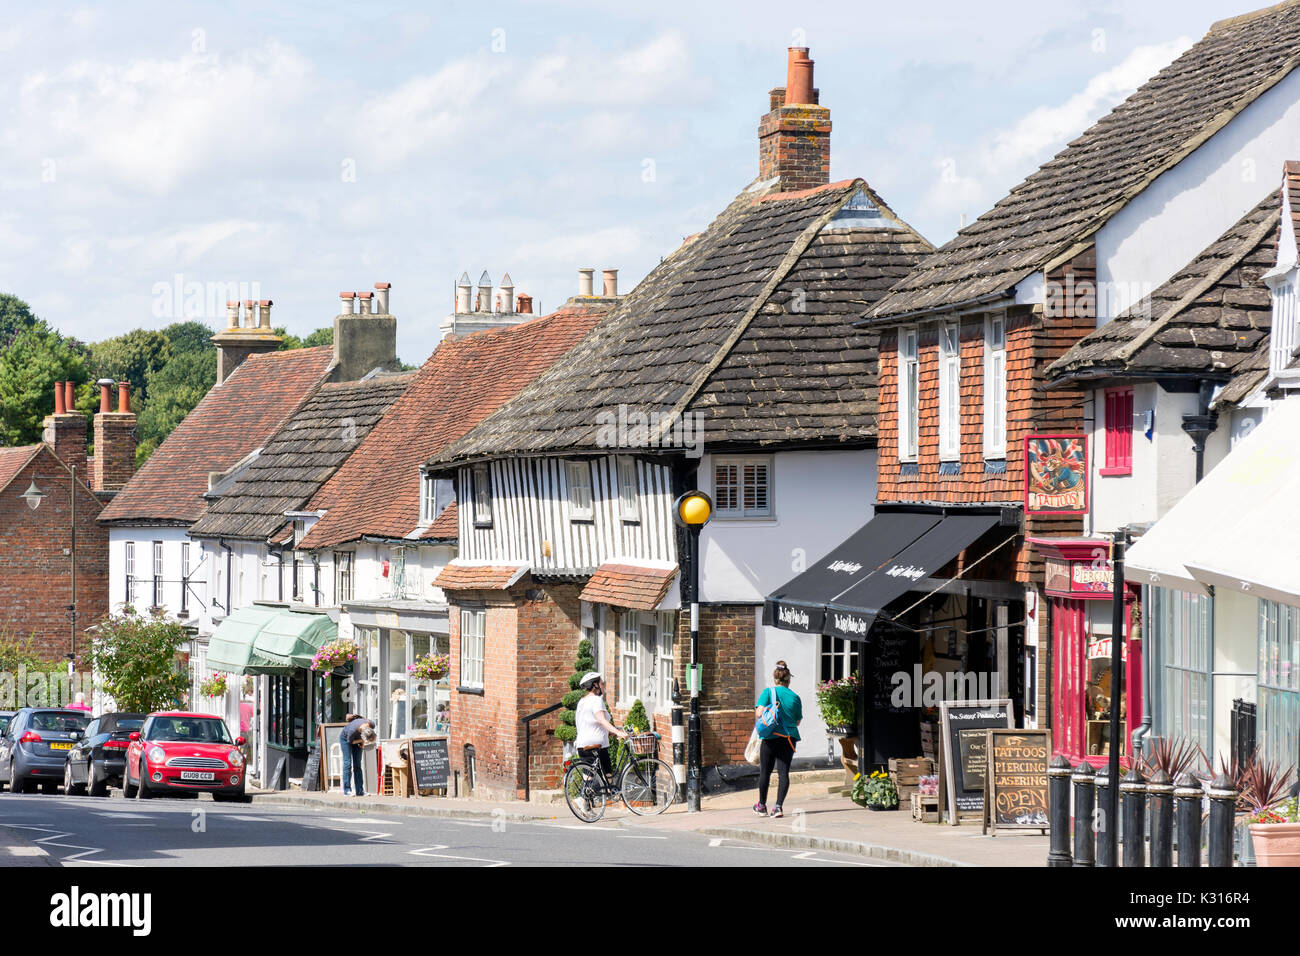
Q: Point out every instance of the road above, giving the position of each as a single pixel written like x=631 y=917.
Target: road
x=90 y=832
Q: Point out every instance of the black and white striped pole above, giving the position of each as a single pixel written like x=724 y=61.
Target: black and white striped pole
x=679 y=743
x=692 y=512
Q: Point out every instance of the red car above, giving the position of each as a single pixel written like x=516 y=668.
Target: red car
x=184 y=753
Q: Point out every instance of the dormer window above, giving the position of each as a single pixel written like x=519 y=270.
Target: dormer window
x=581 y=504
x=428 y=499
x=1285 y=326
x=482 y=490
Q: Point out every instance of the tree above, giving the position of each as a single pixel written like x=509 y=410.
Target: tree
x=131 y=357
x=568 y=729
x=138 y=660
x=16 y=316
x=174 y=390
x=323 y=336
x=189 y=337
x=34 y=360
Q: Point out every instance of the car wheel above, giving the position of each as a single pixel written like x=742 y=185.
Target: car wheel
x=70 y=788
x=16 y=783
x=95 y=785
x=128 y=791
x=142 y=791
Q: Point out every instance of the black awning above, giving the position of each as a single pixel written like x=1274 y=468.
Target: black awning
x=800 y=605
x=852 y=613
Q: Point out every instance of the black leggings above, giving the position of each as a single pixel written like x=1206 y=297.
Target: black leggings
x=778 y=751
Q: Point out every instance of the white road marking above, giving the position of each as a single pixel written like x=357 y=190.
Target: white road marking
x=387 y=823
x=248 y=819
x=637 y=836
x=75 y=857
x=27 y=851
x=428 y=852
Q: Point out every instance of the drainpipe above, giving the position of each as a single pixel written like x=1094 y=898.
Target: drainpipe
x=1201 y=425
x=229 y=555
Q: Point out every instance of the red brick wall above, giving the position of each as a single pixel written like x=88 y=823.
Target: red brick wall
x=1034 y=339
x=114 y=450
x=794 y=142
x=35 y=571
x=528 y=657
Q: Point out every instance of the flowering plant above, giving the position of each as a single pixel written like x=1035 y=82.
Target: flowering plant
x=1288 y=812
x=430 y=667
x=334 y=654
x=876 y=790
x=837 y=701
x=214 y=686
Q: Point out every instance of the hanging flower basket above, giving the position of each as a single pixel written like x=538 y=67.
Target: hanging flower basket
x=214 y=686
x=837 y=702
x=431 y=667
x=340 y=653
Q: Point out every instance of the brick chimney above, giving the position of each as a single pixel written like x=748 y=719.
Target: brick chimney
x=114 y=462
x=65 y=430
x=237 y=341
x=794 y=138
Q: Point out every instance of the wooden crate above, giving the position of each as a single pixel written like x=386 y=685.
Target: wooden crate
x=925 y=809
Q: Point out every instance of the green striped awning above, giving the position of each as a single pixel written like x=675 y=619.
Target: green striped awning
x=267 y=640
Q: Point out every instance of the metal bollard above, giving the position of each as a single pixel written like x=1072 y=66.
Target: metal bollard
x=1058 y=811
x=1187 y=805
x=1161 y=793
x=1104 y=823
x=1133 y=806
x=1223 y=811
x=1085 y=800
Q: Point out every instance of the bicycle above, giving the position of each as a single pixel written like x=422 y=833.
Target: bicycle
x=646 y=784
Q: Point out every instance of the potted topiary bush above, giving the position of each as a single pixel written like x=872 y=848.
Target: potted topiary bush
x=567 y=731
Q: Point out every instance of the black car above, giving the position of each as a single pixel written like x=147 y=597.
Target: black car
x=35 y=745
x=97 y=760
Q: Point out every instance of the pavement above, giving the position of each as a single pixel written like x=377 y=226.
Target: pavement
x=817 y=818
x=17 y=851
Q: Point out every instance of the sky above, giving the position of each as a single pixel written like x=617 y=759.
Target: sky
x=154 y=155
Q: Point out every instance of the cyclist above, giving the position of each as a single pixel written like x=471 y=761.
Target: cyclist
x=594 y=726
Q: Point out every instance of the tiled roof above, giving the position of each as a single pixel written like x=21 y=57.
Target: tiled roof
x=1069 y=198
x=478 y=577
x=14 y=460
x=1210 y=318
x=233 y=419
x=749 y=323
x=445 y=527
x=300 y=457
x=627 y=585
x=377 y=490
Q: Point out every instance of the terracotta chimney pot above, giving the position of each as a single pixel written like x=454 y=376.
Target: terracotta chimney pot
x=799 y=77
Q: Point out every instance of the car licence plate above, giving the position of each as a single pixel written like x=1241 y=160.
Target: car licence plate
x=60 y=746
x=198 y=775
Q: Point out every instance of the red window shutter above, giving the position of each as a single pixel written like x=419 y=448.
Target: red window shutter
x=1119 y=431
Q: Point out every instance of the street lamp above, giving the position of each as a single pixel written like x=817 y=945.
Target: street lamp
x=33 y=496
x=692 y=512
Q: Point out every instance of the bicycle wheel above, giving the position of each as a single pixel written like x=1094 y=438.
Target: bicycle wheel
x=648 y=786
x=584 y=791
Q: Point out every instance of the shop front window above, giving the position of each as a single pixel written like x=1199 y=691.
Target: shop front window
x=1278 y=728
x=287 y=717
x=1180 y=629
x=367 y=672
x=839 y=657
x=1083 y=685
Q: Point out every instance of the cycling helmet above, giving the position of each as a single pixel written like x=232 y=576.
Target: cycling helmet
x=589 y=678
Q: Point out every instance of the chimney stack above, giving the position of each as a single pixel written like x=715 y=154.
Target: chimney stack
x=464 y=292
x=484 y=303
x=525 y=304
x=105 y=394
x=507 y=288
x=243 y=335
x=585 y=282
x=366 y=339
x=794 y=137
x=65 y=430
x=609 y=278
x=114 y=462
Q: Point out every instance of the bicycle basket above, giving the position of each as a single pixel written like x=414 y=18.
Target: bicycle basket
x=643 y=744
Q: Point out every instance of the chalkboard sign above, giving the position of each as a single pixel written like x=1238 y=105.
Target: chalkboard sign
x=311 y=774
x=430 y=762
x=1017 y=779
x=895 y=730
x=965 y=755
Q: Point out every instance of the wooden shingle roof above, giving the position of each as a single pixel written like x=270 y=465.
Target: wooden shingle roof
x=749 y=323
x=233 y=420
x=299 y=458
x=1058 y=208
x=377 y=490
x=1210 y=319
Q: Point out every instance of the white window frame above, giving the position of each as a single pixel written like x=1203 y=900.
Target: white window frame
x=995 y=386
x=629 y=501
x=344 y=579
x=428 y=499
x=909 y=382
x=642 y=659
x=129 y=564
x=481 y=489
x=950 y=391
x=629 y=659
x=157 y=574
x=743 y=480
x=664 y=659
x=580 y=490
x=185 y=576
x=473 y=644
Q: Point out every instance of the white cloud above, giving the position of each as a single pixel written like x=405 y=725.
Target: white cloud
x=594 y=77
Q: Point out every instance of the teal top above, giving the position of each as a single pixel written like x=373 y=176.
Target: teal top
x=791 y=709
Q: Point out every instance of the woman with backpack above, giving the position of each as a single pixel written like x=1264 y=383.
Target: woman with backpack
x=779 y=735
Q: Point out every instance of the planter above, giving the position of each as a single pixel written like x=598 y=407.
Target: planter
x=1275 y=844
x=1243 y=845
x=841 y=731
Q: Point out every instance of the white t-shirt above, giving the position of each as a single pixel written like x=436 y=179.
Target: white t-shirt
x=590 y=733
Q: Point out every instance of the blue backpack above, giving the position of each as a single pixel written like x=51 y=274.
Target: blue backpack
x=769 y=721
